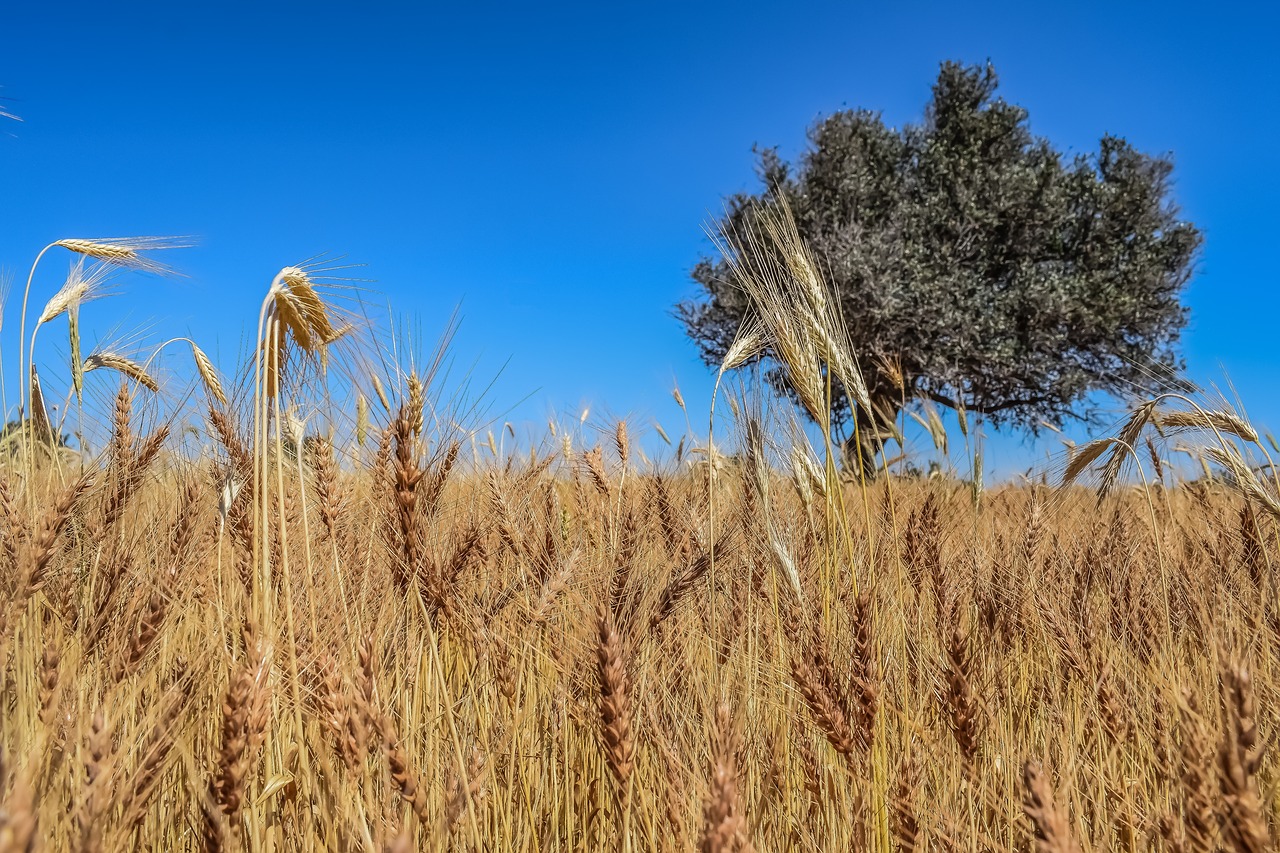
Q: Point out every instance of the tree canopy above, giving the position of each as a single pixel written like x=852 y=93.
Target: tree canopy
x=974 y=264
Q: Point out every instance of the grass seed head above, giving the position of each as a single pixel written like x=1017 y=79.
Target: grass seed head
x=80 y=287
x=127 y=252
x=208 y=374
x=122 y=365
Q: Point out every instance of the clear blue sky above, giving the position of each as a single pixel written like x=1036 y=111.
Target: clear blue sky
x=550 y=166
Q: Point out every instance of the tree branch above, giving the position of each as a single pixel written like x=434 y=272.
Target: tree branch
x=1005 y=405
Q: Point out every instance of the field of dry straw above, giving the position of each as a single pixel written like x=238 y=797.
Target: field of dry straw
x=305 y=609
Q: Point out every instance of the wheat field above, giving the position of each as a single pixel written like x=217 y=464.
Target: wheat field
x=298 y=609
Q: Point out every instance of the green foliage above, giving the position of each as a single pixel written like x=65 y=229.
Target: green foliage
x=975 y=265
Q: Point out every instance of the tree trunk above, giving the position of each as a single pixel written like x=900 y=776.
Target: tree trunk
x=858 y=455
x=861 y=451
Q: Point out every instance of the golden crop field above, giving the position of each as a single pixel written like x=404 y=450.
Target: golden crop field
x=324 y=617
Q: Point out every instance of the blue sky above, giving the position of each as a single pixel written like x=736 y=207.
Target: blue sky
x=549 y=167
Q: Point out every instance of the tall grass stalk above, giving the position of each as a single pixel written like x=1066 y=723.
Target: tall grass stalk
x=560 y=653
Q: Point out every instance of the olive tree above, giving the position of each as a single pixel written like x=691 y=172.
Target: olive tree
x=975 y=266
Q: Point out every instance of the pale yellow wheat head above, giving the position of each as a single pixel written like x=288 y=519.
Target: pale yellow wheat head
x=81 y=286
x=362 y=419
x=1082 y=458
x=1221 y=421
x=127 y=252
x=1243 y=476
x=295 y=312
x=748 y=343
x=123 y=365
x=380 y=392
x=208 y=374
x=1124 y=445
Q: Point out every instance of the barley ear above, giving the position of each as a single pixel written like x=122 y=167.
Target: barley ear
x=125 y=366
x=208 y=374
x=362 y=419
x=126 y=252
x=1244 y=811
x=380 y=392
x=1049 y=825
x=724 y=828
x=615 y=703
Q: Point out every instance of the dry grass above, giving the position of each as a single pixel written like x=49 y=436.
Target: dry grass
x=293 y=638
x=513 y=697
